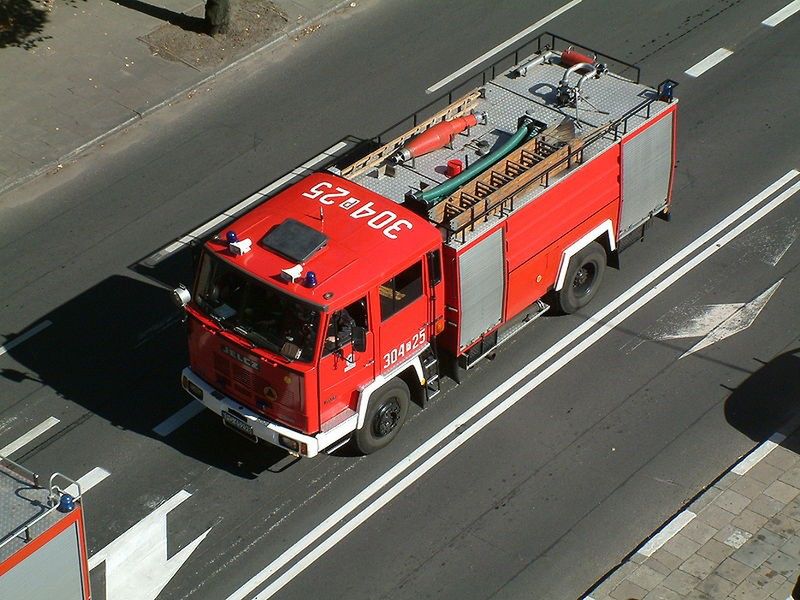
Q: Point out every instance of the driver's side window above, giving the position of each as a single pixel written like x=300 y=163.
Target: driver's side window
x=340 y=326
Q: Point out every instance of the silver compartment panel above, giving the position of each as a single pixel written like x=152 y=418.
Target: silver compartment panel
x=646 y=170
x=482 y=287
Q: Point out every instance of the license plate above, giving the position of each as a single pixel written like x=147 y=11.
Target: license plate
x=239 y=426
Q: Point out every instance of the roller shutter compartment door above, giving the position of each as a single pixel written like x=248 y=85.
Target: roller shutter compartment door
x=482 y=287
x=646 y=171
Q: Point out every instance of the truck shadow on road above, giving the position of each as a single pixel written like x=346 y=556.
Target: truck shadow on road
x=768 y=400
x=117 y=350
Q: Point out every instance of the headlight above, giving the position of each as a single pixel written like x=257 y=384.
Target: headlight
x=191 y=387
x=289 y=443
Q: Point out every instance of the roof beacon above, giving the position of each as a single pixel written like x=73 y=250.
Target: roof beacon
x=292 y=274
x=311 y=279
x=237 y=246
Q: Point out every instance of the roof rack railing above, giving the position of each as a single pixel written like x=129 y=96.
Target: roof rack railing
x=541 y=43
x=483 y=211
x=19 y=471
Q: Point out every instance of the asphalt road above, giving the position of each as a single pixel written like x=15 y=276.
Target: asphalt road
x=538 y=503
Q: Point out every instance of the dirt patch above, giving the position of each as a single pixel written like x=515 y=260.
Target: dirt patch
x=252 y=23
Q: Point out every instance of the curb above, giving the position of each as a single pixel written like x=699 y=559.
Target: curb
x=747 y=460
x=72 y=155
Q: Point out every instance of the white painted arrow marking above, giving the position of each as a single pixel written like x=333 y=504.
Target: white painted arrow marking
x=716 y=322
x=770 y=244
x=137 y=567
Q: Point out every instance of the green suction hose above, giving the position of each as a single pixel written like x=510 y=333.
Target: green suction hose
x=527 y=128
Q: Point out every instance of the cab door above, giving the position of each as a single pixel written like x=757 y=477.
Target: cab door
x=341 y=369
x=404 y=318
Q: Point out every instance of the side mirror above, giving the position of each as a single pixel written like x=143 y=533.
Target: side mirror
x=359 y=339
x=181 y=296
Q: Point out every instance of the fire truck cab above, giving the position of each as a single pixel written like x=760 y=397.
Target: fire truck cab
x=328 y=302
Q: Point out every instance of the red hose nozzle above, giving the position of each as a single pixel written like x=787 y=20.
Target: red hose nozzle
x=436 y=137
x=572 y=57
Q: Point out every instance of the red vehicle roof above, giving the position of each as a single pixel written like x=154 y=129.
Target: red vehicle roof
x=369 y=238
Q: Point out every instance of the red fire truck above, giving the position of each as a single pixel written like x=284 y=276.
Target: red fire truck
x=42 y=537
x=319 y=314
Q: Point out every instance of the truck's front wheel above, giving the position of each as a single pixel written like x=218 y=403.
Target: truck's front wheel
x=584 y=274
x=385 y=416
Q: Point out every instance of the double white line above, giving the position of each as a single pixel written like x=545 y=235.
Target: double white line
x=582 y=337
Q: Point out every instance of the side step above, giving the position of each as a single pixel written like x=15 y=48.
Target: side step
x=430 y=370
x=538 y=309
x=494 y=340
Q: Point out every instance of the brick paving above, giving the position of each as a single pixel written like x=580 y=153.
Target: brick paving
x=738 y=540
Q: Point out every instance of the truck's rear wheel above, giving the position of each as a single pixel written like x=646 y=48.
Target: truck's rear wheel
x=584 y=274
x=385 y=416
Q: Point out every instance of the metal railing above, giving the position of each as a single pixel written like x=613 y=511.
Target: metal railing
x=30 y=478
x=616 y=129
x=540 y=43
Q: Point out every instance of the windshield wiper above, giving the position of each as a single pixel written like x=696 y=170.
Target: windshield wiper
x=254 y=338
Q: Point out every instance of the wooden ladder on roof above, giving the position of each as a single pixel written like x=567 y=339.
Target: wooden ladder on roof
x=545 y=155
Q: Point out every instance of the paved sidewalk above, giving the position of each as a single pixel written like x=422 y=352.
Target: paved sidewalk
x=739 y=539
x=75 y=70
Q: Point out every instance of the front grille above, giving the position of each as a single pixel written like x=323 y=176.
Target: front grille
x=242 y=376
x=222 y=365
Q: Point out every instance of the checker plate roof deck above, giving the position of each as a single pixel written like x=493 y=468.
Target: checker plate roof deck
x=609 y=99
x=22 y=504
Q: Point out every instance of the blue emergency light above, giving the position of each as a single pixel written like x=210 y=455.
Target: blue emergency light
x=311 y=279
x=66 y=503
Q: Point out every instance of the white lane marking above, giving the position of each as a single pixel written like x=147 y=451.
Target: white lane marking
x=205 y=227
x=702 y=320
x=323 y=155
x=781 y=246
x=716 y=322
x=169 y=425
x=257 y=197
x=24 y=336
x=88 y=481
x=783 y=14
x=29 y=437
x=709 y=61
x=502 y=46
x=7 y=423
x=302 y=170
x=757 y=455
x=260 y=194
x=769 y=244
x=137 y=567
x=276 y=184
x=176 y=245
x=667 y=533
x=317 y=532
x=604 y=328
x=740 y=320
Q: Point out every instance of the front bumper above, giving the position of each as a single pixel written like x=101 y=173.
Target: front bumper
x=262 y=428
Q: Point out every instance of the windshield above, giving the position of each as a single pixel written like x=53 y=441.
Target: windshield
x=264 y=315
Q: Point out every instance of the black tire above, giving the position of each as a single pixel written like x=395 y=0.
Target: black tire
x=584 y=275
x=385 y=416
